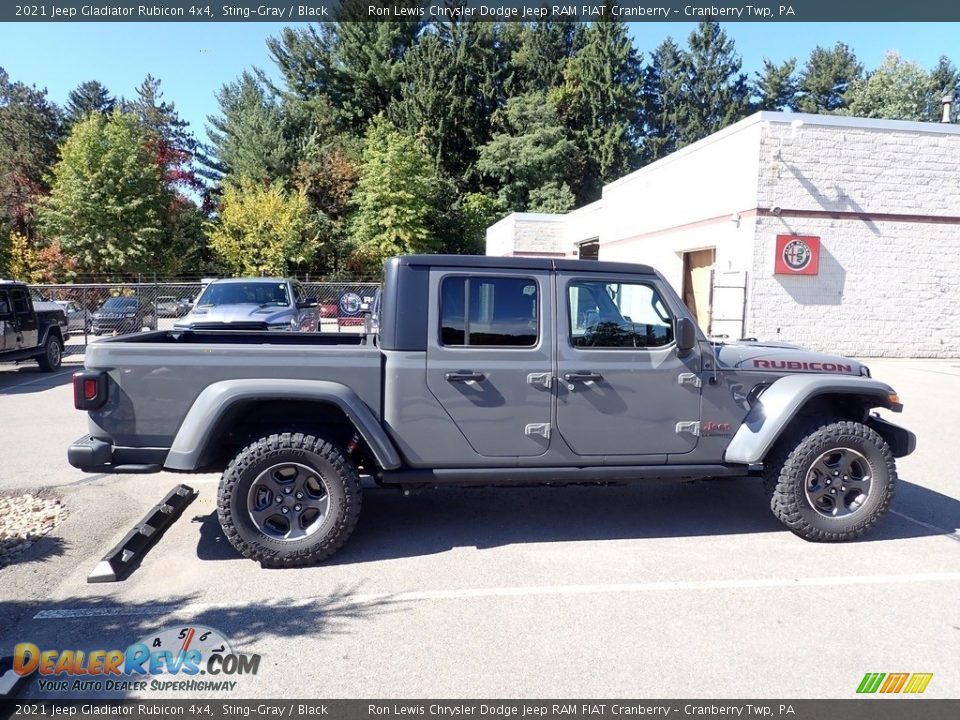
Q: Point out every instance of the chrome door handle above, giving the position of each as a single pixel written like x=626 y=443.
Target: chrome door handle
x=465 y=376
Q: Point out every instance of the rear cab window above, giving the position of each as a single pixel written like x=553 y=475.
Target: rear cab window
x=489 y=311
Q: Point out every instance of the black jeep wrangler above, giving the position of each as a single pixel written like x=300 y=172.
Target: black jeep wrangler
x=29 y=331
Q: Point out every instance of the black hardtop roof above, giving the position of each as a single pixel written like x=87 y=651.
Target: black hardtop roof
x=523 y=263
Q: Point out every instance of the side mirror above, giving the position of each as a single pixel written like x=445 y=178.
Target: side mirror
x=309 y=302
x=686 y=336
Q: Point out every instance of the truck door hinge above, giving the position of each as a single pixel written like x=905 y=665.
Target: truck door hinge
x=544 y=379
x=689 y=379
x=690 y=426
x=542 y=429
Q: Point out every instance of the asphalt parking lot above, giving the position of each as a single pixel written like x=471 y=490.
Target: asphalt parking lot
x=648 y=590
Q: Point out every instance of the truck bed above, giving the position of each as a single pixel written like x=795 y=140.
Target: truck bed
x=155 y=377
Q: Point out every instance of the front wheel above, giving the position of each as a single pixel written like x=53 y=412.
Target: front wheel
x=832 y=480
x=52 y=354
x=289 y=500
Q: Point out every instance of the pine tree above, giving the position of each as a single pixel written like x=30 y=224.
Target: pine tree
x=946 y=83
x=599 y=102
x=541 y=52
x=715 y=92
x=776 y=86
x=108 y=196
x=250 y=137
x=356 y=66
x=826 y=78
x=88 y=97
x=662 y=90
x=530 y=158
x=394 y=197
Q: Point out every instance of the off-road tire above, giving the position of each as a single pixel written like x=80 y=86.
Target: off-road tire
x=52 y=356
x=325 y=458
x=790 y=461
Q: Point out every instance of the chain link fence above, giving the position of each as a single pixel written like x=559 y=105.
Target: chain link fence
x=94 y=310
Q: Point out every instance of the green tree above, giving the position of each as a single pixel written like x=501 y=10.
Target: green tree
x=452 y=84
x=896 y=90
x=251 y=136
x=662 y=90
x=776 y=85
x=394 y=197
x=478 y=211
x=355 y=66
x=599 y=102
x=88 y=97
x=530 y=157
x=540 y=53
x=30 y=129
x=264 y=229
x=715 y=92
x=946 y=82
x=826 y=78
x=107 y=196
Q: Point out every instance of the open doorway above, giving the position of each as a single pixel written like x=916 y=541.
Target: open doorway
x=589 y=249
x=697 y=276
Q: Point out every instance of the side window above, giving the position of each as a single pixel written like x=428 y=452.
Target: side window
x=298 y=295
x=21 y=304
x=615 y=315
x=482 y=312
x=4 y=305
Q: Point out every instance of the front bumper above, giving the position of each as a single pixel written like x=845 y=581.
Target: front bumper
x=92 y=454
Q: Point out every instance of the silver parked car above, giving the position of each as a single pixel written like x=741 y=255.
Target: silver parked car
x=78 y=317
x=252 y=304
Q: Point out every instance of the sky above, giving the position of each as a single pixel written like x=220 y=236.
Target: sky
x=193 y=60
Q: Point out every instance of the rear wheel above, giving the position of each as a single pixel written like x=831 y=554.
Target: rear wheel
x=289 y=499
x=831 y=480
x=52 y=354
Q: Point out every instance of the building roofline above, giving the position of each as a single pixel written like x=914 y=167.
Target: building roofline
x=789 y=118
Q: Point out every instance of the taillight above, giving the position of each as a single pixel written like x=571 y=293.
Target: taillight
x=89 y=389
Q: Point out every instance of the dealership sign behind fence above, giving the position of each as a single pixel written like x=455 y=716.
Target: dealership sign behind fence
x=797 y=255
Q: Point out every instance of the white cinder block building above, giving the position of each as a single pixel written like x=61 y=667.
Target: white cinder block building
x=840 y=234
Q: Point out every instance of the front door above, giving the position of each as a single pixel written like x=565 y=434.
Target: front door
x=489 y=358
x=25 y=319
x=8 y=337
x=623 y=390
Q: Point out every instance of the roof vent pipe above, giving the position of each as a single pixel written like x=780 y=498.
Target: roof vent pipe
x=947 y=108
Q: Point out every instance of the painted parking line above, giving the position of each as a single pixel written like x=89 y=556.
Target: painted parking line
x=526 y=591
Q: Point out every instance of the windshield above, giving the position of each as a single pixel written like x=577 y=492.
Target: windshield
x=252 y=293
x=120 y=303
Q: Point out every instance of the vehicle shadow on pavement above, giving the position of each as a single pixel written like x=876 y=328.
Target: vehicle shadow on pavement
x=392 y=526
x=30 y=379
x=242 y=623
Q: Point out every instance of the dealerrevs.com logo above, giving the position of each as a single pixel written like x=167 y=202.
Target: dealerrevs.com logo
x=894 y=683
x=173 y=659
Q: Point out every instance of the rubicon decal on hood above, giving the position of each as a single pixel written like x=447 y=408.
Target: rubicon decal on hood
x=802 y=365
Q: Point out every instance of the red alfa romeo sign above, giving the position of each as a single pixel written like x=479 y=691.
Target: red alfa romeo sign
x=797 y=255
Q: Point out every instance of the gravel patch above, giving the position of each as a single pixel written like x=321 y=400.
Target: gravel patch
x=23 y=520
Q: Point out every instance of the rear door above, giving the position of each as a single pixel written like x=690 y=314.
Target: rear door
x=623 y=390
x=489 y=357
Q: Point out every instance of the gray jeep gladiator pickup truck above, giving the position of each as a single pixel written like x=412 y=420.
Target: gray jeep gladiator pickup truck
x=488 y=371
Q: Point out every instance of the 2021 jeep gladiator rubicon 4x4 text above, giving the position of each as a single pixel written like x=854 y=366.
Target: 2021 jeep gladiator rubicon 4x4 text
x=488 y=371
